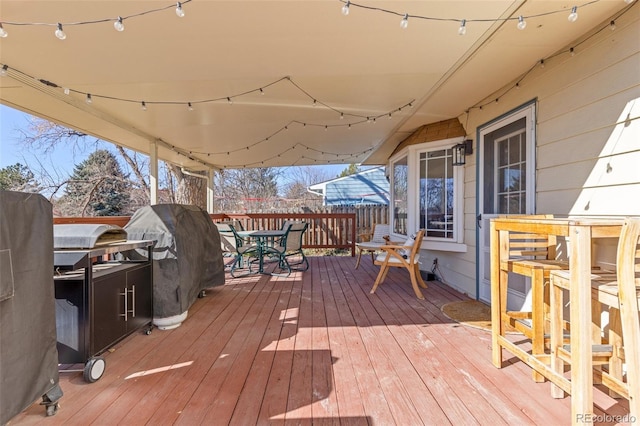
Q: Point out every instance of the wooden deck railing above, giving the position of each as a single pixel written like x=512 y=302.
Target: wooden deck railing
x=325 y=231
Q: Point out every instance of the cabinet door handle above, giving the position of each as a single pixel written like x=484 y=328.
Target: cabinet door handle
x=126 y=308
x=133 y=301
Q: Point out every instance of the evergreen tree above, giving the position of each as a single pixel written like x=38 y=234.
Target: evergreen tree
x=18 y=178
x=352 y=169
x=98 y=187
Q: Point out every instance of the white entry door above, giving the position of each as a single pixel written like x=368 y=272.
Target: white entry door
x=506 y=186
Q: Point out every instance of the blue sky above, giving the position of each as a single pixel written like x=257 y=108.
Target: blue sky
x=62 y=158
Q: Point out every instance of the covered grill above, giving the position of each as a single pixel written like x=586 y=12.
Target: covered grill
x=187 y=257
x=28 y=354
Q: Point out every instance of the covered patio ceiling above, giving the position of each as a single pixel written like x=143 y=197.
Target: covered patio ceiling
x=253 y=70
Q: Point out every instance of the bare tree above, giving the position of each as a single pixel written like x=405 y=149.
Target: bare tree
x=43 y=136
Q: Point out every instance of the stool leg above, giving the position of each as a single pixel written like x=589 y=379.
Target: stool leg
x=556 y=339
x=615 y=340
x=537 y=318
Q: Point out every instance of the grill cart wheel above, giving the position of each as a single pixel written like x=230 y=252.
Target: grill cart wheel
x=94 y=369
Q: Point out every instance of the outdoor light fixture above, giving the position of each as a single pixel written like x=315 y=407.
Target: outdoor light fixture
x=60 y=32
x=460 y=151
x=119 y=25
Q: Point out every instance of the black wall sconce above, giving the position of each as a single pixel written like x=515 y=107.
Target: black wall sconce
x=460 y=151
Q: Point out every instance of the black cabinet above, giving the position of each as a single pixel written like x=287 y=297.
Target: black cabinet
x=98 y=305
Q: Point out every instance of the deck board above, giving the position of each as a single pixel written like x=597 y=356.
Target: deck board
x=317 y=348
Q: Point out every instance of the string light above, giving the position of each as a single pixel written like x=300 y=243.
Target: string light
x=463 y=27
x=522 y=24
x=572 y=51
x=179 y=10
x=66 y=90
x=345 y=8
x=119 y=25
x=404 y=23
x=4 y=71
x=88 y=100
x=261 y=91
x=229 y=100
x=573 y=16
x=189 y=106
x=60 y=33
x=462 y=30
x=541 y=63
x=143 y=106
x=612 y=25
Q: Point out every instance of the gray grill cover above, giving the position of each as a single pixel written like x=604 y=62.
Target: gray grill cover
x=187 y=257
x=28 y=354
x=86 y=235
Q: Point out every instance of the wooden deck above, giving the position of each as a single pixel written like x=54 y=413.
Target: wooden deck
x=314 y=347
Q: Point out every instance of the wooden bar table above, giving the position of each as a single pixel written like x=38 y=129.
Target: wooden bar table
x=580 y=232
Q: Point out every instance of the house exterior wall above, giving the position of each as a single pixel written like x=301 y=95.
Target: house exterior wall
x=587 y=137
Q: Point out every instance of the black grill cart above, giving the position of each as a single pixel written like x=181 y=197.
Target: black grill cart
x=28 y=354
x=99 y=299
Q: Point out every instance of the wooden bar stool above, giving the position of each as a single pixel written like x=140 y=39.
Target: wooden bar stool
x=619 y=293
x=531 y=255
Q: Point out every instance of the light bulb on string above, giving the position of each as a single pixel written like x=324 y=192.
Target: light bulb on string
x=3 y=32
x=573 y=16
x=229 y=100
x=628 y=1
x=66 y=90
x=342 y=116
x=612 y=25
x=88 y=100
x=119 y=25
x=4 y=70
x=189 y=106
x=345 y=8
x=261 y=91
x=60 y=33
x=572 y=51
x=179 y=10
x=541 y=63
x=522 y=24
x=404 y=23
x=143 y=106
x=463 y=27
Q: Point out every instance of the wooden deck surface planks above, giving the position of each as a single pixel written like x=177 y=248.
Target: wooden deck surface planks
x=317 y=348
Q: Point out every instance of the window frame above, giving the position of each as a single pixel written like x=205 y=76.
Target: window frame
x=412 y=153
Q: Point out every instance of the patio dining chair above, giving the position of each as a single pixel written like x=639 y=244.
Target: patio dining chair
x=292 y=245
x=244 y=253
x=372 y=241
x=406 y=256
x=227 y=239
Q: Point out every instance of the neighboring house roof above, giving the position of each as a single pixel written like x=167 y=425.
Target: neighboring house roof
x=365 y=187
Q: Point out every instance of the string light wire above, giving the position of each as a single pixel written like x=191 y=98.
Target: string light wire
x=405 y=16
x=58 y=25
